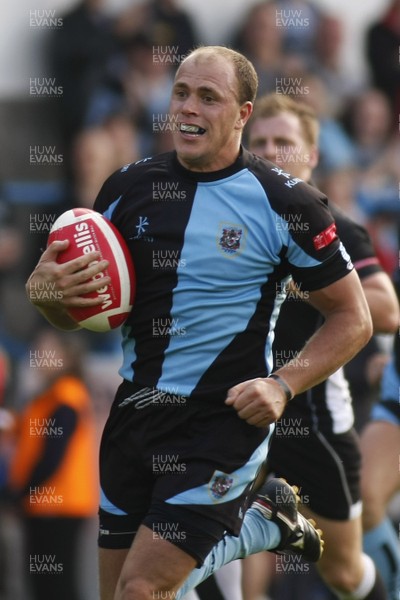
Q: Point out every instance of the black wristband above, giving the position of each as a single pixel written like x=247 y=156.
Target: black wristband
x=288 y=392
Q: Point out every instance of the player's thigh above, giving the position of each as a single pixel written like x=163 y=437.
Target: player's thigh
x=154 y=563
x=379 y=474
x=110 y=566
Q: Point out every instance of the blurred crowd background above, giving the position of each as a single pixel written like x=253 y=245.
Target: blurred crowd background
x=103 y=103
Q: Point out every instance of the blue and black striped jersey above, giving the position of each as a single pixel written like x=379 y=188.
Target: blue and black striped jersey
x=212 y=253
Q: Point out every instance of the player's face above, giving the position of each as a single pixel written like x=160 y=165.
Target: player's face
x=208 y=118
x=280 y=139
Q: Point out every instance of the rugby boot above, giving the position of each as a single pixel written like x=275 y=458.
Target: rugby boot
x=277 y=501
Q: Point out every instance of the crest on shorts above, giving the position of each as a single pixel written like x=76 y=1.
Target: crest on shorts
x=220 y=484
x=231 y=238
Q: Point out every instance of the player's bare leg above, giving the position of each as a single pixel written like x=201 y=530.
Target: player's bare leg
x=379 y=482
x=110 y=567
x=380 y=473
x=343 y=566
x=152 y=566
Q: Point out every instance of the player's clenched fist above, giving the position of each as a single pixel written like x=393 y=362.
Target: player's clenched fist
x=259 y=401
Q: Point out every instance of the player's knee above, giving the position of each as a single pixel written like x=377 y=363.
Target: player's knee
x=136 y=589
x=344 y=577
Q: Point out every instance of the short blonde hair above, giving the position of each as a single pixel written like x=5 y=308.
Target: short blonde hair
x=272 y=105
x=246 y=75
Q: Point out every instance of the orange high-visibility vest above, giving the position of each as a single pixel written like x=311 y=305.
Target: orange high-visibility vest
x=72 y=490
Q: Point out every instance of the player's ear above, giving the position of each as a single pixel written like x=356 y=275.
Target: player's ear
x=314 y=156
x=244 y=114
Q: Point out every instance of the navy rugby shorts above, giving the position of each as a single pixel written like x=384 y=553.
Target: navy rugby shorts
x=182 y=468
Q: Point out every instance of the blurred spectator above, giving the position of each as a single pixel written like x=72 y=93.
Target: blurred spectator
x=362 y=189
x=81 y=54
x=339 y=184
x=146 y=85
x=53 y=470
x=380 y=475
x=13 y=248
x=124 y=135
x=378 y=193
x=335 y=146
x=382 y=227
x=260 y=38
x=92 y=159
x=327 y=61
x=164 y=21
x=382 y=53
x=368 y=121
x=96 y=153
x=172 y=26
x=155 y=35
x=7 y=430
x=7 y=434
x=300 y=21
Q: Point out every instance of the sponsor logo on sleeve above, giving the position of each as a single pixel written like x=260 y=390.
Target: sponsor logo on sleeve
x=325 y=238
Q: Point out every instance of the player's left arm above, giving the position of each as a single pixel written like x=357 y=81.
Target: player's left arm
x=381 y=298
x=382 y=301
x=346 y=329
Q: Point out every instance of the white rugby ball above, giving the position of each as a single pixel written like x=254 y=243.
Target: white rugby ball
x=88 y=231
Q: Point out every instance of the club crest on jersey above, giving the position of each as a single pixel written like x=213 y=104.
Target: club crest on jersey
x=231 y=239
x=220 y=485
